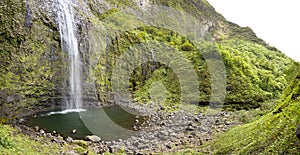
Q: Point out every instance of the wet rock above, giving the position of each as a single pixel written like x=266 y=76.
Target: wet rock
x=58 y=140
x=69 y=140
x=298 y=132
x=93 y=138
x=36 y=128
x=28 y=15
x=42 y=131
x=74 y=131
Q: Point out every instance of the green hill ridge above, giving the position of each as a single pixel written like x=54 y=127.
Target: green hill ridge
x=33 y=68
x=273 y=133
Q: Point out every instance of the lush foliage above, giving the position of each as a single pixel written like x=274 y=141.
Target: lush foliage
x=273 y=133
x=254 y=73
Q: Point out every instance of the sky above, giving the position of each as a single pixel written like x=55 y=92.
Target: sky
x=275 y=21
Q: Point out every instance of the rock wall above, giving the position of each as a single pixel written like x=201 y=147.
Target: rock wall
x=32 y=63
x=34 y=69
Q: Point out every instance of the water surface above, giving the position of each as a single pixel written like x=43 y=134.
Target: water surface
x=109 y=123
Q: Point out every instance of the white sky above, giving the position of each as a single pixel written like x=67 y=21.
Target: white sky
x=275 y=21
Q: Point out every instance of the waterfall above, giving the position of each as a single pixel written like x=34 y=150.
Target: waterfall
x=67 y=30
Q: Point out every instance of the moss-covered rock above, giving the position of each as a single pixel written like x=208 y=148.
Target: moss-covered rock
x=31 y=58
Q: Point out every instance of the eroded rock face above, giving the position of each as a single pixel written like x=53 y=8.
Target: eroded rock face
x=33 y=66
x=31 y=58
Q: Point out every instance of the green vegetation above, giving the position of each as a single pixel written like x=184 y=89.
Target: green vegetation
x=13 y=142
x=273 y=133
x=33 y=63
x=33 y=70
x=31 y=59
x=255 y=73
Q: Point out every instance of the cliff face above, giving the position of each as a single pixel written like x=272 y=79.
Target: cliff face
x=31 y=58
x=34 y=69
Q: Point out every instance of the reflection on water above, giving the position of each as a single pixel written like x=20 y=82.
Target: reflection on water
x=108 y=123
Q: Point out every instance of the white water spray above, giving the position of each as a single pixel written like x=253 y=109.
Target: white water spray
x=67 y=30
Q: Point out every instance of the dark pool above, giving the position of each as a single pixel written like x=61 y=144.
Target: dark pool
x=109 y=123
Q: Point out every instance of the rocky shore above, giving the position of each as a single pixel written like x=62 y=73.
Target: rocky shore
x=172 y=132
x=162 y=132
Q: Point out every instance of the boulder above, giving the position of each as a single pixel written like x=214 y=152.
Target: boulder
x=169 y=146
x=69 y=140
x=74 y=131
x=58 y=140
x=93 y=138
x=190 y=128
x=114 y=149
x=36 y=128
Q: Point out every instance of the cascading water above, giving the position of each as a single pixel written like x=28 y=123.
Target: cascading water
x=67 y=30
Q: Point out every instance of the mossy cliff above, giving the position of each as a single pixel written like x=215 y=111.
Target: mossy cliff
x=31 y=58
x=255 y=72
x=34 y=69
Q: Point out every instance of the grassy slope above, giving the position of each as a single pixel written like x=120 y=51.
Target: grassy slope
x=14 y=142
x=272 y=133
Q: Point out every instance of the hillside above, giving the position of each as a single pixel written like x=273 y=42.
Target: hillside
x=274 y=133
x=33 y=62
x=150 y=52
